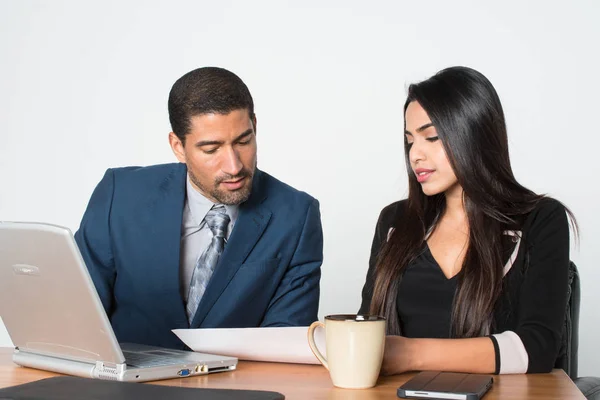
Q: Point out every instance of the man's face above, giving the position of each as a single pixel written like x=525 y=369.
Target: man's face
x=220 y=154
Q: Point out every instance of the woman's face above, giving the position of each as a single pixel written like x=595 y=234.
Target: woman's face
x=427 y=156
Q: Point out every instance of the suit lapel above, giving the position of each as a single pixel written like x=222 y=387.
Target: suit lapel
x=252 y=220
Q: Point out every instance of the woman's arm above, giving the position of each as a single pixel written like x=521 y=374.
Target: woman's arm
x=474 y=355
x=384 y=223
x=543 y=294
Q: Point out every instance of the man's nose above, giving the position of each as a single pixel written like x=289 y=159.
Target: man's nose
x=231 y=163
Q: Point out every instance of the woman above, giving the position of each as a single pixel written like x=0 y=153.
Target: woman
x=471 y=270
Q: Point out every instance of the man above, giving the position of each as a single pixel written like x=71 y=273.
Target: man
x=210 y=242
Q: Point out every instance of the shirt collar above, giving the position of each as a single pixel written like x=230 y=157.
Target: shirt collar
x=200 y=205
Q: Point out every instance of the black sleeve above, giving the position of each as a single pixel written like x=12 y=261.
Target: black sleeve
x=385 y=221
x=543 y=296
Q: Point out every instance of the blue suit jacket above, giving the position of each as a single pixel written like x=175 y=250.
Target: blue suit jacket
x=130 y=238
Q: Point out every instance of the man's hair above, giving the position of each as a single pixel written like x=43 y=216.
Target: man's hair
x=203 y=91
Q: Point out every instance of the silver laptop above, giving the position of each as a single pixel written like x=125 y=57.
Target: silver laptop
x=56 y=321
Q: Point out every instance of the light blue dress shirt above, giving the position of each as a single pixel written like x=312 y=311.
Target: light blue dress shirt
x=195 y=234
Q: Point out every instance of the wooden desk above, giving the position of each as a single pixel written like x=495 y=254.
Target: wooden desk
x=304 y=382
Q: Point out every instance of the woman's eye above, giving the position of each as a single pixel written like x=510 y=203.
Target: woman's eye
x=432 y=139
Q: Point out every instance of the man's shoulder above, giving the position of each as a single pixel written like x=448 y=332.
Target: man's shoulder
x=153 y=172
x=137 y=182
x=281 y=191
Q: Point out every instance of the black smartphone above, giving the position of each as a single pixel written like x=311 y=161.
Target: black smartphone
x=445 y=385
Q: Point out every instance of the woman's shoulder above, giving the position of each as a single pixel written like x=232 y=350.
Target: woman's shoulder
x=388 y=221
x=545 y=208
x=392 y=213
x=548 y=215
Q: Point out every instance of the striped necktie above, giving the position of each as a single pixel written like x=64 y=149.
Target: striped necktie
x=217 y=220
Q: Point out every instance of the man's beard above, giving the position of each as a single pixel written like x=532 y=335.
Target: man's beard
x=227 y=197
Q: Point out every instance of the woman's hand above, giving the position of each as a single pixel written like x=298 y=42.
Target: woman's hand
x=397 y=357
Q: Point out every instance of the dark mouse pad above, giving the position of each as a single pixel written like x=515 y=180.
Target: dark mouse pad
x=71 y=387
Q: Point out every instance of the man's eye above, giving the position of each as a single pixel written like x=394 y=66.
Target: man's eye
x=210 y=151
x=244 y=142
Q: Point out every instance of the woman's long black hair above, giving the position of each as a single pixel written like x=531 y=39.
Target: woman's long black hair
x=466 y=112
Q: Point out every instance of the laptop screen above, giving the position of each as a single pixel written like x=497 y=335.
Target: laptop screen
x=47 y=299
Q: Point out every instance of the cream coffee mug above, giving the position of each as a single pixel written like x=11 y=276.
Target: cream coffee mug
x=354 y=347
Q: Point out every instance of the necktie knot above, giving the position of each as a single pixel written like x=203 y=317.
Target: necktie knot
x=217 y=220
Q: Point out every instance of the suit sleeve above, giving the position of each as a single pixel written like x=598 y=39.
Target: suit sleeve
x=94 y=241
x=296 y=300
x=535 y=342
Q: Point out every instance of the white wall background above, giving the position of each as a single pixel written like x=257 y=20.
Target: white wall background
x=84 y=85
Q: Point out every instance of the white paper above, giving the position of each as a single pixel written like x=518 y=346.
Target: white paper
x=287 y=344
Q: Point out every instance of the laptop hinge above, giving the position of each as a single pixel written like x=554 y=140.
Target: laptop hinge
x=56 y=364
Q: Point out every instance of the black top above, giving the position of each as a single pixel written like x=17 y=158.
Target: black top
x=534 y=297
x=425 y=299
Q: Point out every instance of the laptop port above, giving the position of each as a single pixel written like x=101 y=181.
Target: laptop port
x=201 y=368
x=184 y=372
x=219 y=369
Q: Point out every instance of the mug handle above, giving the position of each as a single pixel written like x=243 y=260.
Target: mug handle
x=312 y=344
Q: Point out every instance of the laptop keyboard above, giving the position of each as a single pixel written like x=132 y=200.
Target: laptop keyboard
x=152 y=360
